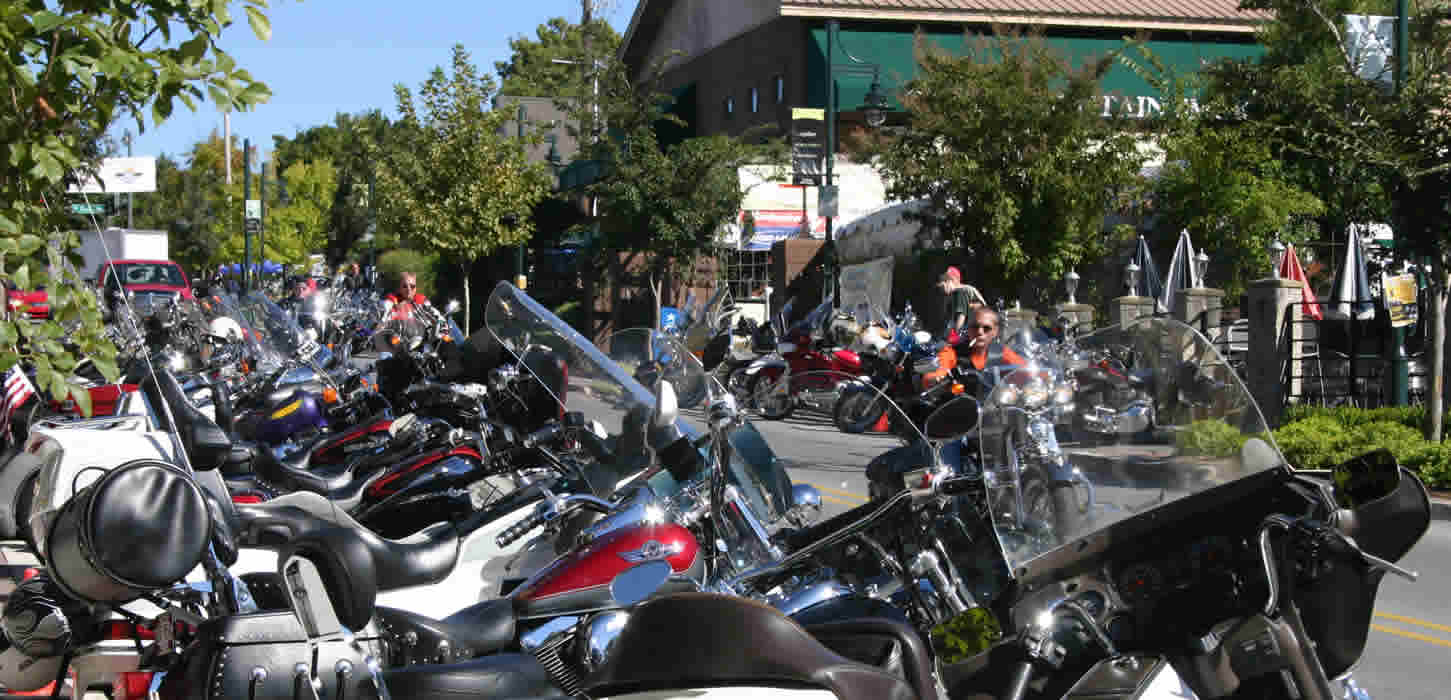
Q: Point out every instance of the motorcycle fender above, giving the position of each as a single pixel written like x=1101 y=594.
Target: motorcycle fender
x=1132 y=678
x=758 y=365
x=17 y=467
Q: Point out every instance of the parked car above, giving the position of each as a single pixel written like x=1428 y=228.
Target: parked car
x=151 y=281
x=35 y=303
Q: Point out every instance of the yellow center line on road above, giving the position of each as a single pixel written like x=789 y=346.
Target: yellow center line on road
x=856 y=499
x=1414 y=621
x=1412 y=635
x=838 y=501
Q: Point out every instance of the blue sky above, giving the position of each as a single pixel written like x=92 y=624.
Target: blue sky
x=330 y=56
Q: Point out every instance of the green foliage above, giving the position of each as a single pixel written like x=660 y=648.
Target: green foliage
x=71 y=70
x=1211 y=438
x=452 y=183
x=1008 y=144
x=1319 y=438
x=392 y=265
x=349 y=143
x=531 y=70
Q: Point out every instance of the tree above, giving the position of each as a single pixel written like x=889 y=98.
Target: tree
x=71 y=68
x=1008 y=145
x=531 y=70
x=450 y=180
x=345 y=143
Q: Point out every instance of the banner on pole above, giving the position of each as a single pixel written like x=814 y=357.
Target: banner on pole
x=807 y=151
x=1400 y=298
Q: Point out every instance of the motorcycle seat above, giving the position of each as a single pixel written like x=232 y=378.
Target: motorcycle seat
x=516 y=676
x=483 y=628
x=292 y=472
x=206 y=444
x=890 y=645
x=729 y=641
x=422 y=558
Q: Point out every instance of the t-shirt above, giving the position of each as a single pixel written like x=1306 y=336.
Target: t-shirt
x=1010 y=357
x=960 y=301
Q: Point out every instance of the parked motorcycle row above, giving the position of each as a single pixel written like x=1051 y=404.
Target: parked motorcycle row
x=519 y=513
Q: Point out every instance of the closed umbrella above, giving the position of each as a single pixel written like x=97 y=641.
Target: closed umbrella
x=1150 y=284
x=1350 y=297
x=1290 y=269
x=1181 y=272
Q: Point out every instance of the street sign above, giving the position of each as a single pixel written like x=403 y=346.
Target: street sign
x=807 y=152
x=88 y=208
x=252 y=226
x=826 y=201
x=254 y=209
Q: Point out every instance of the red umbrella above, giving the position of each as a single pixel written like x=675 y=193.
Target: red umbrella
x=1290 y=269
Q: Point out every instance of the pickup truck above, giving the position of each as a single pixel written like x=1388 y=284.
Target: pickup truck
x=150 y=281
x=35 y=304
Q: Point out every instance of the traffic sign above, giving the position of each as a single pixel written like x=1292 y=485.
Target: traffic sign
x=88 y=208
x=253 y=209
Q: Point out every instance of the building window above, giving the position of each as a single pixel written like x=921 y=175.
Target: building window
x=747 y=272
x=755 y=100
x=780 y=89
x=730 y=106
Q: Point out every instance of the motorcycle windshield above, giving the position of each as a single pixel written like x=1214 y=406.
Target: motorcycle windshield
x=571 y=370
x=259 y=345
x=1201 y=430
x=280 y=330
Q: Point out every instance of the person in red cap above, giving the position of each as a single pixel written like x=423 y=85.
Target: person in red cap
x=960 y=299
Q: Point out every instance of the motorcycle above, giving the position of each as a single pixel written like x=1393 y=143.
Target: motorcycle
x=901 y=362
x=800 y=351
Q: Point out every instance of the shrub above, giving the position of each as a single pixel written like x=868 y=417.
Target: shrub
x=1313 y=442
x=392 y=265
x=1317 y=438
x=1211 y=438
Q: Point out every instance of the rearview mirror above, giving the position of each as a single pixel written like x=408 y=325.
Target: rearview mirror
x=1369 y=477
x=954 y=419
x=667 y=407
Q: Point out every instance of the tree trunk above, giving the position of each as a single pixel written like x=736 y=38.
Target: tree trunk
x=1432 y=429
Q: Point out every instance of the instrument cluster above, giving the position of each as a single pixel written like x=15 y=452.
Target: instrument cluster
x=1145 y=582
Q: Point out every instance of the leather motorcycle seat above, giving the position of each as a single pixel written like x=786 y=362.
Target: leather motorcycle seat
x=483 y=628
x=292 y=472
x=517 y=676
x=730 y=641
x=422 y=558
x=890 y=645
x=206 y=444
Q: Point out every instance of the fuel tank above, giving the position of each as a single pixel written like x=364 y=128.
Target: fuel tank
x=580 y=580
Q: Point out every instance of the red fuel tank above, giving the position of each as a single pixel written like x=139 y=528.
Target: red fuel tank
x=580 y=580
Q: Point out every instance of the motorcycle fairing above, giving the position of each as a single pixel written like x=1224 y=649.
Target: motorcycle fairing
x=764 y=363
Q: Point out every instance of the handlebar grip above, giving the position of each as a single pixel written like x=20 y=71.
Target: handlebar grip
x=548 y=432
x=521 y=528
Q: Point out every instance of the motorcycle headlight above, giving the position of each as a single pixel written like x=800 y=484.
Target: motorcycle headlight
x=1035 y=394
x=1006 y=395
x=1063 y=394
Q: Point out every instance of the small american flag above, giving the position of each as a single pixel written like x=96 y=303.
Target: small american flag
x=17 y=389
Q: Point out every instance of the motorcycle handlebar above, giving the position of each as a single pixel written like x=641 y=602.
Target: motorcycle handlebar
x=512 y=533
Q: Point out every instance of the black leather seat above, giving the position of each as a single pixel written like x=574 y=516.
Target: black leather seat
x=419 y=559
x=890 y=645
x=479 y=629
x=514 y=676
x=206 y=444
x=705 y=640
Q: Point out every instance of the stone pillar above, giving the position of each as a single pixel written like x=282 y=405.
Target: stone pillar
x=1079 y=314
x=1200 y=308
x=1273 y=332
x=1129 y=309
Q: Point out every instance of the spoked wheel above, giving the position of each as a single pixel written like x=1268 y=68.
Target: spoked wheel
x=775 y=402
x=857 y=411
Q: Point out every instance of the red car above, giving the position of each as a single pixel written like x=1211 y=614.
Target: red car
x=36 y=304
x=145 y=277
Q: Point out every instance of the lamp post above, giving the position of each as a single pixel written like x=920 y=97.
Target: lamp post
x=874 y=111
x=1277 y=254
x=1201 y=266
x=1131 y=273
x=1070 y=282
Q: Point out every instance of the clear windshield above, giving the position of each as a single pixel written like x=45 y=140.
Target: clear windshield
x=1201 y=430
x=277 y=328
x=227 y=306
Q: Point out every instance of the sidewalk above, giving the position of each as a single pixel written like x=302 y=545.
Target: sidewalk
x=1440 y=506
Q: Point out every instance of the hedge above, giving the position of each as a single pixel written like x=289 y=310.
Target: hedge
x=1319 y=438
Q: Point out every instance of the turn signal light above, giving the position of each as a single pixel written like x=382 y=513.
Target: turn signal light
x=330 y=395
x=132 y=685
x=958 y=389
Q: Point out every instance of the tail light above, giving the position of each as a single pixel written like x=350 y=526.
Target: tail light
x=29 y=573
x=121 y=629
x=132 y=685
x=247 y=499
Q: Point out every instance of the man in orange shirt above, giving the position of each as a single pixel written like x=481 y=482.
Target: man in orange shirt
x=981 y=345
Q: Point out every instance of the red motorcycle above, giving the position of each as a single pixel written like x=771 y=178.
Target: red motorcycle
x=807 y=349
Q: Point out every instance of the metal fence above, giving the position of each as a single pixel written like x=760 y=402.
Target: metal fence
x=1344 y=361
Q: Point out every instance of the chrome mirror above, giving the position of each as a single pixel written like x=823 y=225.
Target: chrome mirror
x=805 y=505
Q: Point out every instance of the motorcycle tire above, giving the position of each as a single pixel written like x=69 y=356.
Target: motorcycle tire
x=779 y=408
x=858 y=411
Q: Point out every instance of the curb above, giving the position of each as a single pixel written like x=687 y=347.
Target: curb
x=1440 y=509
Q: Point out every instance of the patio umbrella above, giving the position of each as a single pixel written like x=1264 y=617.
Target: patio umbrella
x=1149 y=280
x=1290 y=269
x=1181 y=272
x=1350 y=297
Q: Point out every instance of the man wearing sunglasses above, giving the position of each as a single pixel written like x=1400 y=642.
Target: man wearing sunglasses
x=981 y=341
x=400 y=304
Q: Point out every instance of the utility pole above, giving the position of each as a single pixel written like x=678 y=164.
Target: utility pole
x=1400 y=360
x=262 y=230
x=130 y=220
x=521 y=280
x=246 y=233
x=227 y=143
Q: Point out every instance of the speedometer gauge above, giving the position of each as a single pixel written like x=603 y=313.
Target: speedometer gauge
x=1141 y=582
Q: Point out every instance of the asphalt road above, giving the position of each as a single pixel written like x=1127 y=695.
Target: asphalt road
x=1409 y=650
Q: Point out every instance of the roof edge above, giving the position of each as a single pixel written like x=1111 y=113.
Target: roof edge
x=630 y=31
x=1246 y=25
